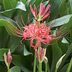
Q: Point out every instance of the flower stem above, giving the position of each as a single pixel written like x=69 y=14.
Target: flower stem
x=46 y=67
x=40 y=67
x=34 y=68
x=8 y=69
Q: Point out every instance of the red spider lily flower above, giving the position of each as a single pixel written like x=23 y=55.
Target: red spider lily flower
x=41 y=34
x=40 y=54
x=44 y=12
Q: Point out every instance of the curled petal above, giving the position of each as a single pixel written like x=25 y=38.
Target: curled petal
x=42 y=8
x=33 y=11
x=47 y=9
x=46 y=15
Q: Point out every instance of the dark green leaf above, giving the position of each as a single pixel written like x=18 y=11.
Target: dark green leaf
x=69 y=66
x=56 y=54
x=69 y=51
x=9 y=4
x=2 y=51
x=15 y=69
x=70 y=1
x=9 y=24
x=65 y=29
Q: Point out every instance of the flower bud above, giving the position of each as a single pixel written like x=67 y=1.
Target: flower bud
x=9 y=57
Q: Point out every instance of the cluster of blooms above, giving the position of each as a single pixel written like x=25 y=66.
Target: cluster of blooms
x=38 y=31
x=43 y=12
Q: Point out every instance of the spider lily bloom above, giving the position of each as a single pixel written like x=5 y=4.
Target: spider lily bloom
x=8 y=58
x=40 y=34
x=40 y=54
x=44 y=12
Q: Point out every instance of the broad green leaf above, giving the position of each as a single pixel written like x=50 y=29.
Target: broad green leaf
x=69 y=66
x=65 y=29
x=56 y=54
x=19 y=60
x=10 y=25
x=60 y=21
x=14 y=42
x=20 y=5
x=4 y=38
x=11 y=10
x=2 y=51
x=9 y=4
x=63 y=8
x=15 y=69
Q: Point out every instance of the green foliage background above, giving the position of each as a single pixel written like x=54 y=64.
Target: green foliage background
x=14 y=14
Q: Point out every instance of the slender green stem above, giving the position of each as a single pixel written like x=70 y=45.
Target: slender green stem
x=34 y=68
x=40 y=67
x=46 y=67
x=55 y=70
x=8 y=69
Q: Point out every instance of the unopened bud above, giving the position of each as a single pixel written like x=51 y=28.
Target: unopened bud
x=9 y=57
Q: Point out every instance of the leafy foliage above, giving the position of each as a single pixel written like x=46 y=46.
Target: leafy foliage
x=15 y=14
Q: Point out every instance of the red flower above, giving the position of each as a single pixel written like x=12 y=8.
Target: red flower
x=43 y=12
x=41 y=34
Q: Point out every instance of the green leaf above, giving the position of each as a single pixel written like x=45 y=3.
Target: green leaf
x=59 y=62
x=69 y=51
x=60 y=21
x=19 y=60
x=26 y=52
x=65 y=29
x=20 y=6
x=56 y=54
x=65 y=41
x=9 y=24
x=69 y=66
x=70 y=1
x=15 y=69
x=9 y=4
x=2 y=51
x=11 y=10
x=13 y=43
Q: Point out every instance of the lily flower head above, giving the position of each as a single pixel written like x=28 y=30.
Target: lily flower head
x=44 y=12
x=41 y=34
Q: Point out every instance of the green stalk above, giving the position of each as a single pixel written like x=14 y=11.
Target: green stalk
x=40 y=67
x=8 y=69
x=34 y=68
x=46 y=67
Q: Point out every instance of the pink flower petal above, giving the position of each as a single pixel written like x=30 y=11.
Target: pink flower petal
x=42 y=8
